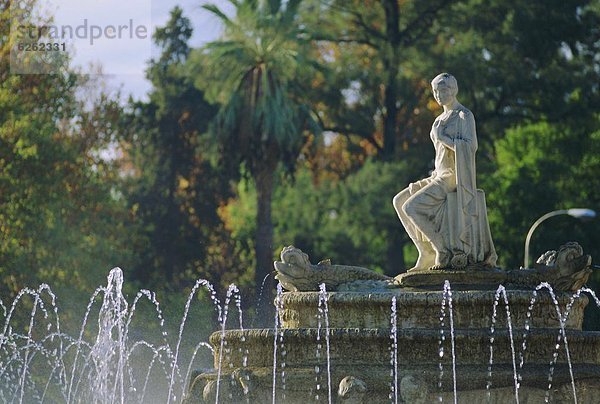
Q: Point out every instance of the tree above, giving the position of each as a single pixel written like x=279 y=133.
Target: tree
x=515 y=61
x=256 y=71
x=542 y=167
x=175 y=190
x=518 y=61
x=372 y=92
x=349 y=220
x=63 y=220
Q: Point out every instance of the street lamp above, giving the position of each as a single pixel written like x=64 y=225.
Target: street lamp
x=578 y=213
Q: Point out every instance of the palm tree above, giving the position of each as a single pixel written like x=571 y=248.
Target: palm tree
x=256 y=71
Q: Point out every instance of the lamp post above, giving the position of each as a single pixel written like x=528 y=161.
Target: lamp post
x=578 y=213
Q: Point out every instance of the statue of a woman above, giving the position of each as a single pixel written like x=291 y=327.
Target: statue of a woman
x=445 y=214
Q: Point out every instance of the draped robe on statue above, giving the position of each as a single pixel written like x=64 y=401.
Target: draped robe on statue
x=472 y=232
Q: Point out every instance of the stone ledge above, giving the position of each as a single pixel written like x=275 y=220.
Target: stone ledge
x=422 y=309
x=482 y=278
x=363 y=347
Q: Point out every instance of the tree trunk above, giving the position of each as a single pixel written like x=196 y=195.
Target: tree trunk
x=391 y=61
x=263 y=248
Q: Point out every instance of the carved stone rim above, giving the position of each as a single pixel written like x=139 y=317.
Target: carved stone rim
x=425 y=297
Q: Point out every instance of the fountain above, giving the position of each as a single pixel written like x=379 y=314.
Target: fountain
x=414 y=344
x=454 y=328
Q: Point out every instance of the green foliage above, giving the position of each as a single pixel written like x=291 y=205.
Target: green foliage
x=62 y=221
x=542 y=167
x=256 y=70
x=351 y=221
x=516 y=61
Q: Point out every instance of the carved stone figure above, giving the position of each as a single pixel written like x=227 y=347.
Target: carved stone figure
x=352 y=390
x=445 y=214
x=567 y=269
x=239 y=387
x=296 y=273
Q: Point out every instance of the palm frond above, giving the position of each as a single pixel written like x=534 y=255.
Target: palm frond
x=255 y=69
x=214 y=9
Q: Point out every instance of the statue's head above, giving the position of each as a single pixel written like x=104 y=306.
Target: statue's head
x=444 y=87
x=294 y=271
x=445 y=80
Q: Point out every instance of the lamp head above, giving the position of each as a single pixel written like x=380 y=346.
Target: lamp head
x=582 y=213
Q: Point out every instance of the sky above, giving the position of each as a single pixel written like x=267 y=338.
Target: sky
x=124 y=54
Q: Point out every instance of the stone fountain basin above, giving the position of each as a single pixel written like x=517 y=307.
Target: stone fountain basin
x=422 y=309
x=365 y=354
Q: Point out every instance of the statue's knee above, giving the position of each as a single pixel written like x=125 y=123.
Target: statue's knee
x=397 y=203
x=399 y=200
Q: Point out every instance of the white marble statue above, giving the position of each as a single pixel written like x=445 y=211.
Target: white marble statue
x=445 y=214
